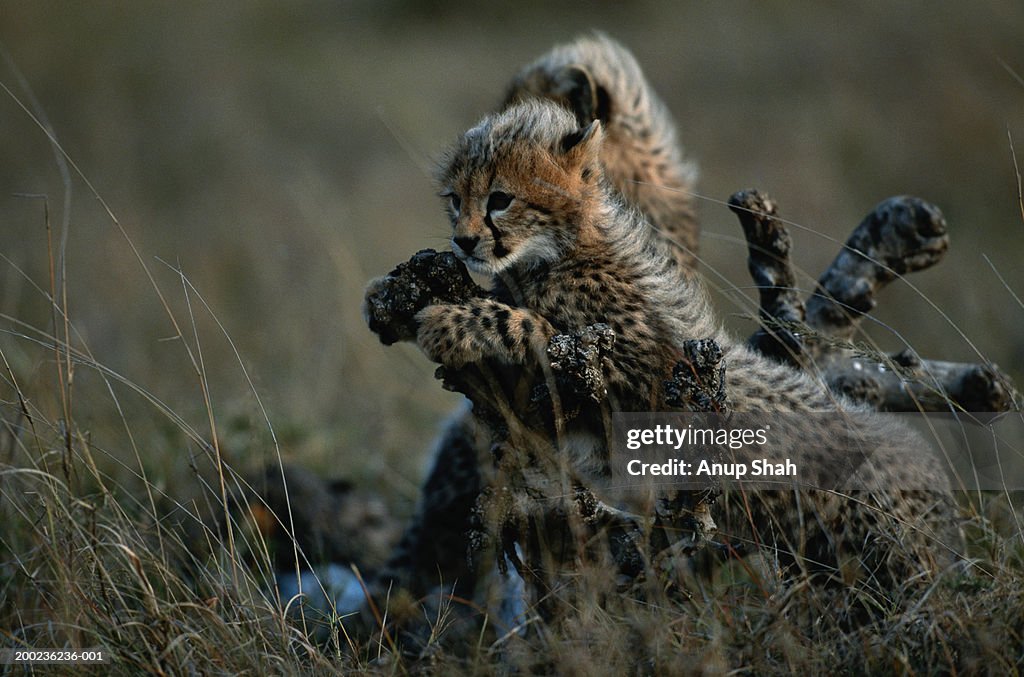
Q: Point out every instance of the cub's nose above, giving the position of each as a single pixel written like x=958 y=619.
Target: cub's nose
x=466 y=244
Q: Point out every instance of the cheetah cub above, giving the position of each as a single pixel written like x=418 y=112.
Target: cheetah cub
x=531 y=207
x=596 y=78
x=599 y=79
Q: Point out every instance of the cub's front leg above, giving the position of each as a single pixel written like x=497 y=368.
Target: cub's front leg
x=479 y=329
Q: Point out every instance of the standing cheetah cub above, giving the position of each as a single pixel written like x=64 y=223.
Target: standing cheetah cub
x=530 y=206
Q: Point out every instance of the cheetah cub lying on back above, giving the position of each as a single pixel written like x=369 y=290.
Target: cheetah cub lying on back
x=530 y=206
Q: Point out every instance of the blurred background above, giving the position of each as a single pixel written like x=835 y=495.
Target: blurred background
x=276 y=156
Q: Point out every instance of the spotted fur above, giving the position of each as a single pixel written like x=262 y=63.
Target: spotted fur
x=599 y=79
x=531 y=206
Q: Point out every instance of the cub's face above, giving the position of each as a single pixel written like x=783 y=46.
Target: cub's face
x=516 y=186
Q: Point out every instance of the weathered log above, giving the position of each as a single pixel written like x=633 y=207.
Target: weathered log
x=428 y=278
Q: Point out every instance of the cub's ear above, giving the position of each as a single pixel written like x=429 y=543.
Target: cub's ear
x=577 y=86
x=582 y=147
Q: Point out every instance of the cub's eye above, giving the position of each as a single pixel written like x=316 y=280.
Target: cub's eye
x=453 y=199
x=498 y=201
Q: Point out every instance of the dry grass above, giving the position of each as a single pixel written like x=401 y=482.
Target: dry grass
x=88 y=564
x=275 y=161
x=98 y=553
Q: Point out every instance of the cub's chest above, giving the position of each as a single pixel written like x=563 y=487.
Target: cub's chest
x=570 y=300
